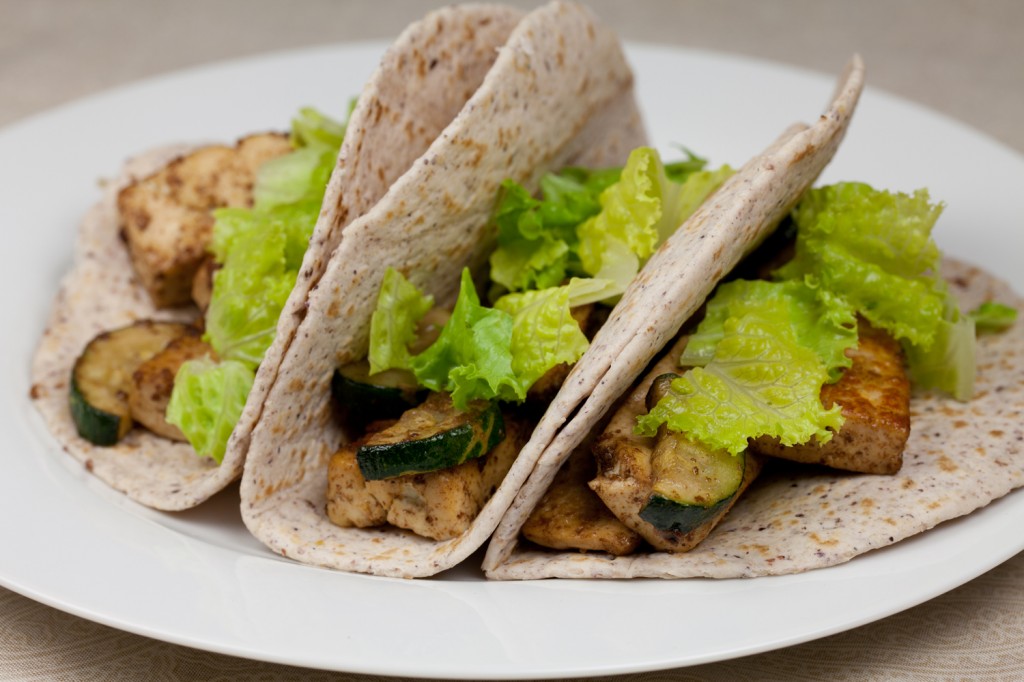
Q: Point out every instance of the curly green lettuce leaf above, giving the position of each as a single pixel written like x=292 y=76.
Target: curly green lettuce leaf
x=948 y=364
x=638 y=213
x=301 y=175
x=312 y=128
x=827 y=327
x=400 y=306
x=537 y=237
x=544 y=332
x=472 y=357
x=207 y=401
x=993 y=317
x=873 y=250
x=761 y=382
x=260 y=253
x=678 y=171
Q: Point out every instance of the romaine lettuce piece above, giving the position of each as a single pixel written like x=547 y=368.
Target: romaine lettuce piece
x=261 y=252
x=873 y=250
x=301 y=175
x=472 y=357
x=761 y=381
x=993 y=317
x=311 y=128
x=544 y=332
x=537 y=237
x=948 y=364
x=207 y=401
x=638 y=213
x=829 y=332
x=400 y=306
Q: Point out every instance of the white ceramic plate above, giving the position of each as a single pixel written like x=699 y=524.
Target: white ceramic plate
x=198 y=579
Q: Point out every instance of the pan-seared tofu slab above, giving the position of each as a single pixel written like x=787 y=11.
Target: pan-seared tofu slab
x=166 y=219
x=572 y=516
x=875 y=397
x=439 y=505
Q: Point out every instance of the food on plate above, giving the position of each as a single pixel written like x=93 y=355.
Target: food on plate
x=166 y=218
x=813 y=364
x=415 y=487
x=303 y=460
x=144 y=251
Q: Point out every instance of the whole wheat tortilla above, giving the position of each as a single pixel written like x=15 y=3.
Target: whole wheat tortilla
x=423 y=80
x=960 y=457
x=560 y=92
x=676 y=280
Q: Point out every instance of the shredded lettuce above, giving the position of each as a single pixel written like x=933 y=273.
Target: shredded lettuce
x=400 y=306
x=537 y=237
x=993 y=317
x=260 y=251
x=948 y=363
x=638 y=213
x=829 y=332
x=482 y=353
x=873 y=250
x=544 y=332
x=207 y=401
x=761 y=382
x=603 y=223
x=301 y=175
x=764 y=349
x=472 y=357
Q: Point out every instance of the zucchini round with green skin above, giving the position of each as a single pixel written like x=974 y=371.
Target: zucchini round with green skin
x=385 y=395
x=102 y=377
x=431 y=437
x=691 y=483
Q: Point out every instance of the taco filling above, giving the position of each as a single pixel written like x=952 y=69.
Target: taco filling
x=811 y=363
x=446 y=399
x=237 y=263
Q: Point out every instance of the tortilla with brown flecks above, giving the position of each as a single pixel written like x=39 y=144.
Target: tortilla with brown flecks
x=560 y=93
x=422 y=82
x=960 y=457
x=673 y=284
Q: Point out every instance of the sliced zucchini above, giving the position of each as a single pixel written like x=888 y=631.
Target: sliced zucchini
x=431 y=437
x=692 y=484
x=365 y=398
x=385 y=395
x=102 y=377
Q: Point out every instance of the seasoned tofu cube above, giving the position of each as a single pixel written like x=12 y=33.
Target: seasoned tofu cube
x=153 y=382
x=572 y=516
x=439 y=505
x=874 y=394
x=166 y=217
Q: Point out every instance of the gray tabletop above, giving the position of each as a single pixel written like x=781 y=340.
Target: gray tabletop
x=964 y=58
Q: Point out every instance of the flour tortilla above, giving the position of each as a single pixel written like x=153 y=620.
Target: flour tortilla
x=560 y=93
x=422 y=82
x=672 y=285
x=960 y=457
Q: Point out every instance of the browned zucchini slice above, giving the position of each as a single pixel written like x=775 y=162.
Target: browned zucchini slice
x=102 y=376
x=431 y=437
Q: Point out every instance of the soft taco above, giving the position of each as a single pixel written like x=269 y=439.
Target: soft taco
x=805 y=356
x=560 y=94
x=319 y=493
x=124 y=320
